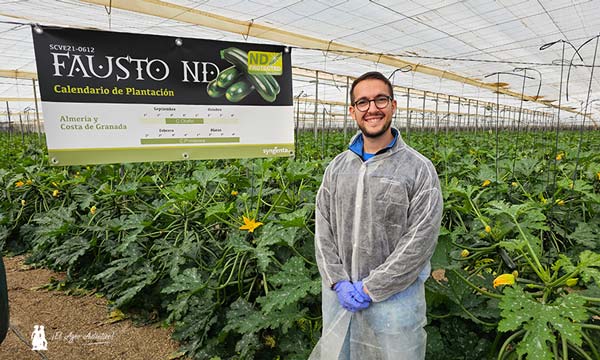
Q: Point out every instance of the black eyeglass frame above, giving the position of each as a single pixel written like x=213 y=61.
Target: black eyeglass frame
x=368 y=103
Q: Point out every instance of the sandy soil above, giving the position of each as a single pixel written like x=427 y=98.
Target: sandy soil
x=76 y=327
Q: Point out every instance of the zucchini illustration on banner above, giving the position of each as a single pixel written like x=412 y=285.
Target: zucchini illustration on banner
x=238 y=91
x=214 y=90
x=228 y=77
x=265 y=85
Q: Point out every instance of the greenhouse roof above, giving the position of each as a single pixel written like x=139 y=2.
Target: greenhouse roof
x=491 y=51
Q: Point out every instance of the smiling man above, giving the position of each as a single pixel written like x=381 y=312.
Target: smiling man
x=378 y=214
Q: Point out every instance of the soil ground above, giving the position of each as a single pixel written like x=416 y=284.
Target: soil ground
x=76 y=327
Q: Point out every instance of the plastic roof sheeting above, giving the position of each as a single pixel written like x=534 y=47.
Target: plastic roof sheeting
x=471 y=39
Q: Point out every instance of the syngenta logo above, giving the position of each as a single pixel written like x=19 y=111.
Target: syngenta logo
x=276 y=151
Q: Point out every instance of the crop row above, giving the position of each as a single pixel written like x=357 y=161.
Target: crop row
x=223 y=250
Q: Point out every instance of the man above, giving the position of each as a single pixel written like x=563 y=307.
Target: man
x=378 y=214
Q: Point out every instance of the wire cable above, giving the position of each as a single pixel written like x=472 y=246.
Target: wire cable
x=23 y=340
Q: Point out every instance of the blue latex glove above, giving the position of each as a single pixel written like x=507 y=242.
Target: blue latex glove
x=362 y=295
x=348 y=297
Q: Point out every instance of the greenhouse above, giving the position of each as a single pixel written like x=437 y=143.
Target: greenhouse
x=173 y=167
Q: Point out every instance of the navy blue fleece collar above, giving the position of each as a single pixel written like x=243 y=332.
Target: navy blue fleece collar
x=357 y=146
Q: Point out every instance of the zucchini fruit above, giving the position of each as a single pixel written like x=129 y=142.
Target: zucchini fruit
x=506 y=258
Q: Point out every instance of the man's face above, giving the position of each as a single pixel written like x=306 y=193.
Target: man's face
x=373 y=122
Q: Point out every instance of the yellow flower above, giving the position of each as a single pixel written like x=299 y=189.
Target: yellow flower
x=234 y=193
x=486 y=183
x=464 y=253
x=29 y=182
x=270 y=341
x=572 y=281
x=560 y=202
x=514 y=184
x=55 y=193
x=23 y=202
x=488 y=229
x=19 y=183
x=560 y=156
x=93 y=210
x=250 y=224
x=504 y=279
x=598 y=175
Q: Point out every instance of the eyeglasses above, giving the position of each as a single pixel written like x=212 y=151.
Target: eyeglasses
x=381 y=102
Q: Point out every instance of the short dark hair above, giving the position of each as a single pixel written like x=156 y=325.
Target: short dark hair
x=371 y=75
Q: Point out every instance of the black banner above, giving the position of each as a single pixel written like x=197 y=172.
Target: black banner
x=89 y=66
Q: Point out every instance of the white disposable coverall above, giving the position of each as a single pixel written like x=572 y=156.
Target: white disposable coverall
x=377 y=221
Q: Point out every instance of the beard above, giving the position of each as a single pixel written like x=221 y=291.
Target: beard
x=376 y=134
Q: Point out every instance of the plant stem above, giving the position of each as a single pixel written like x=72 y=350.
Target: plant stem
x=532 y=265
x=591 y=299
x=590 y=326
x=580 y=351
x=496 y=296
x=565 y=348
x=590 y=344
x=507 y=342
x=479 y=249
x=563 y=278
x=265 y=283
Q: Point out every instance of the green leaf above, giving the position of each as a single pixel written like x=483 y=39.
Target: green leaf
x=188 y=280
x=521 y=310
x=273 y=233
x=586 y=234
x=296 y=218
x=525 y=167
x=513 y=244
x=129 y=188
x=497 y=207
x=69 y=251
x=293 y=283
x=143 y=277
x=55 y=221
x=81 y=194
x=588 y=262
x=440 y=256
x=486 y=173
x=194 y=318
x=563 y=262
x=263 y=257
x=244 y=319
x=116 y=266
x=246 y=347
x=206 y=176
x=220 y=210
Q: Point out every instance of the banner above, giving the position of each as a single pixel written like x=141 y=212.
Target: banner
x=112 y=97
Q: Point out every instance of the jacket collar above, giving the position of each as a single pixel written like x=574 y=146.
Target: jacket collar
x=357 y=144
